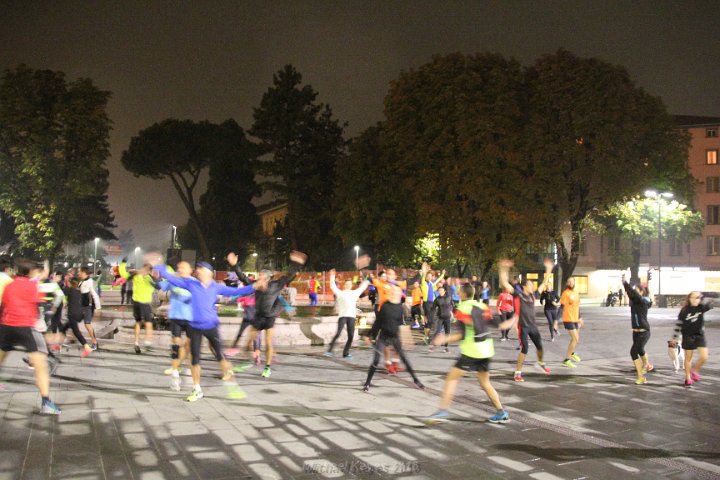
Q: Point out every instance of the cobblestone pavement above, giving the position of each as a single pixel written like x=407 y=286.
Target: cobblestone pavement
x=311 y=420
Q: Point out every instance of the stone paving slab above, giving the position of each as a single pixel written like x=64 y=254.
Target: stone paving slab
x=310 y=419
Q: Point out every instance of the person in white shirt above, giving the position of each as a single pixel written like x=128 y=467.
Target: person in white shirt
x=346 y=303
x=90 y=302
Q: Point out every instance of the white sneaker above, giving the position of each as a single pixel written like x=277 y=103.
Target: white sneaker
x=175 y=382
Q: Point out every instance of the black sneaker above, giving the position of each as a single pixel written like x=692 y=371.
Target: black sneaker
x=366 y=388
x=419 y=385
x=137 y=349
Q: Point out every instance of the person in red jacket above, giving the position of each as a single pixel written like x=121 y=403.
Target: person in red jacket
x=505 y=308
x=18 y=315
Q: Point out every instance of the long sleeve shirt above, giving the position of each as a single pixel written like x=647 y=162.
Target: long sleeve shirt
x=346 y=300
x=180 y=301
x=691 y=320
x=639 y=306
x=88 y=291
x=266 y=301
x=204 y=315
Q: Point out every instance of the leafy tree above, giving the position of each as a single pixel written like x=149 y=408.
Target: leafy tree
x=594 y=139
x=637 y=220
x=180 y=150
x=226 y=211
x=53 y=148
x=456 y=125
x=371 y=209
x=303 y=144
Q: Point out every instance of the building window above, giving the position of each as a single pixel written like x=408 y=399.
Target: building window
x=713 y=184
x=711 y=132
x=711 y=157
x=583 y=244
x=713 y=245
x=713 y=215
x=581 y=284
x=613 y=245
x=676 y=247
x=645 y=248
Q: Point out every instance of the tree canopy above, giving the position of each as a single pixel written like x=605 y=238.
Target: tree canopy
x=53 y=147
x=180 y=150
x=301 y=143
x=595 y=138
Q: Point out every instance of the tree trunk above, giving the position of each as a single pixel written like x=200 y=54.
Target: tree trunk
x=635 y=266
x=186 y=195
x=485 y=268
x=568 y=254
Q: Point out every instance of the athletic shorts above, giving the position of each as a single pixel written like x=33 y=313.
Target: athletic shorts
x=692 y=342
x=571 y=325
x=470 y=364
x=142 y=312
x=179 y=326
x=87 y=315
x=11 y=337
x=213 y=336
x=263 y=323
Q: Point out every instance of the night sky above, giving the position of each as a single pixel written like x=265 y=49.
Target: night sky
x=213 y=60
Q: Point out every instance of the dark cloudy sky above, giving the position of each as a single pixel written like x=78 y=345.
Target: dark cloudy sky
x=214 y=59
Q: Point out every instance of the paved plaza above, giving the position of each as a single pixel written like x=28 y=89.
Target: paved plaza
x=310 y=419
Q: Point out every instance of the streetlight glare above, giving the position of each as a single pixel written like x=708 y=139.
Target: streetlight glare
x=667 y=194
x=650 y=193
x=357 y=248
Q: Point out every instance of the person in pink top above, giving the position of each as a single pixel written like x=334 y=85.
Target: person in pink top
x=506 y=310
x=248 y=305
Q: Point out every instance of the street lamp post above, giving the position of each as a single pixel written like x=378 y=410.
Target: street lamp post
x=95 y=256
x=357 y=262
x=137 y=254
x=174 y=236
x=658 y=196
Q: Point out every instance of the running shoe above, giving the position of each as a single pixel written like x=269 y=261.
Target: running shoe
x=49 y=408
x=241 y=367
x=85 y=353
x=568 y=363
x=56 y=347
x=648 y=368
x=137 y=349
x=228 y=375
x=500 y=417
x=447 y=350
x=366 y=388
x=348 y=356
x=148 y=346
x=234 y=392
x=266 y=372
x=231 y=352
x=419 y=385
x=398 y=368
x=503 y=339
x=415 y=326
x=440 y=416
x=258 y=361
x=175 y=383
x=695 y=376
x=94 y=346
x=426 y=339
x=518 y=377
x=327 y=354
x=27 y=362
x=542 y=367
x=390 y=369
x=552 y=339
x=641 y=381
x=575 y=357
x=195 y=396
x=168 y=371
x=431 y=349
x=688 y=383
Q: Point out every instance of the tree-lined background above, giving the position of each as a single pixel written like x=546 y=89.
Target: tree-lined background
x=476 y=157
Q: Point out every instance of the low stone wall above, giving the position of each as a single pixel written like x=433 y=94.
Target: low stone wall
x=298 y=331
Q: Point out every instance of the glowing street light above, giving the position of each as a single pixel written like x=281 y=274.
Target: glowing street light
x=137 y=255
x=658 y=196
x=357 y=258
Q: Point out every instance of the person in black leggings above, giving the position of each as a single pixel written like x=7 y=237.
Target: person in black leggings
x=551 y=302
x=443 y=306
x=390 y=318
x=639 y=300
x=75 y=315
